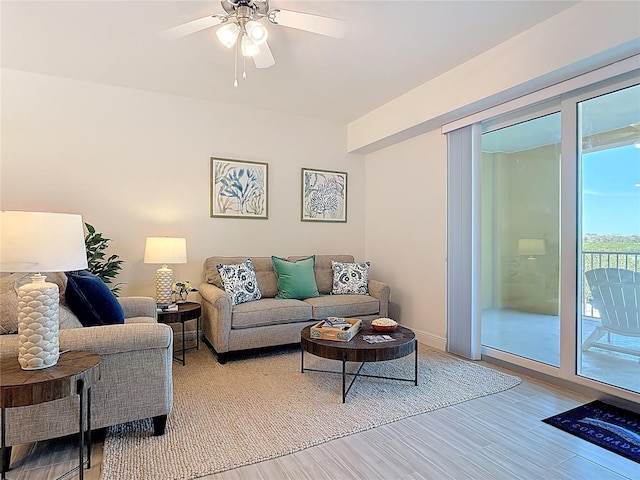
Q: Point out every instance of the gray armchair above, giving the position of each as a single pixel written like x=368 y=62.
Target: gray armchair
x=135 y=366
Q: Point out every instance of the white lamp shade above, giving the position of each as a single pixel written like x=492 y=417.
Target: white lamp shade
x=165 y=250
x=228 y=34
x=256 y=32
x=249 y=49
x=41 y=242
x=531 y=246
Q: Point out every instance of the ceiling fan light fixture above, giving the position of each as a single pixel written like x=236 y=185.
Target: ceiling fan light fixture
x=256 y=32
x=249 y=48
x=243 y=26
x=228 y=34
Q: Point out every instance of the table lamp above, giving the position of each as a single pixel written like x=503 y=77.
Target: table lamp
x=36 y=242
x=530 y=247
x=165 y=250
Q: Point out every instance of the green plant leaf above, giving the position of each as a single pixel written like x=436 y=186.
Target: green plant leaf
x=95 y=244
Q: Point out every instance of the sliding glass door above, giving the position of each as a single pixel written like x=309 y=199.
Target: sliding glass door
x=608 y=346
x=520 y=239
x=558 y=283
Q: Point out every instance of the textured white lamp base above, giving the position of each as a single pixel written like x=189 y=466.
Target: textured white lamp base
x=164 y=281
x=38 y=305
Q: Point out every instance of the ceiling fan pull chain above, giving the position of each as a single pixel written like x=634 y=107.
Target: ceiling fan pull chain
x=244 y=67
x=235 y=68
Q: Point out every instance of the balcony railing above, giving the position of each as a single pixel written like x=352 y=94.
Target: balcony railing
x=591 y=260
x=626 y=260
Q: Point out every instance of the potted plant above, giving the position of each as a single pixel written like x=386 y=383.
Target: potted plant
x=106 y=269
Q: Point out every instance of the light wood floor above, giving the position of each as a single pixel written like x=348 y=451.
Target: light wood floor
x=496 y=437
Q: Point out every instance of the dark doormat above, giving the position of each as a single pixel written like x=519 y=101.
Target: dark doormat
x=610 y=427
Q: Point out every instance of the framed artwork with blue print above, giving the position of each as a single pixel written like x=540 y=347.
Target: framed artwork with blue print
x=239 y=189
x=324 y=196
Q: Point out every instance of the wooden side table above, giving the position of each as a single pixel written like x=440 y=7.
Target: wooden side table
x=75 y=373
x=186 y=311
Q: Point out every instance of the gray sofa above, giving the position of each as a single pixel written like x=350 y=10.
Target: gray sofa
x=271 y=321
x=135 y=368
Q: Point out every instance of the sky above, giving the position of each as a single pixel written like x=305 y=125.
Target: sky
x=611 y=191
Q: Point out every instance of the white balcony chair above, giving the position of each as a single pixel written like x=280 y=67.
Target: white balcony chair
x=616 y=295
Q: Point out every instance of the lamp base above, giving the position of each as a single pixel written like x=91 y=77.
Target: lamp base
x=38 y=325
x=164 y=281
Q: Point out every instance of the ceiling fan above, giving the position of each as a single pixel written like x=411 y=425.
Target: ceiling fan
x=241 y=28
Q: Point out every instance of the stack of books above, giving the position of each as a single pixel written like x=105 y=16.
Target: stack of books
x=171 y=307
x=336 y=322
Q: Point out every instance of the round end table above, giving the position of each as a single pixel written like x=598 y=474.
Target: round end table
x=74 y=374
x=186 y=311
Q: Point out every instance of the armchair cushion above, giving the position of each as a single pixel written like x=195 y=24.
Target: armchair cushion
x=8 y=304
x=91 y=300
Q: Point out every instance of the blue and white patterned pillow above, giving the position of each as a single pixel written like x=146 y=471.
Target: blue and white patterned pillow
x=240 y=281
x=350 y=278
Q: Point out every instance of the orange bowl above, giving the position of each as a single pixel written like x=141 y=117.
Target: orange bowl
x=384 y=328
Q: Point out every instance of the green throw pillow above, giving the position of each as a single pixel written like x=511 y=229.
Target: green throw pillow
x=296 y=279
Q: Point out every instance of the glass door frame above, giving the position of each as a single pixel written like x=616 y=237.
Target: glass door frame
x=570 y=235
x=519 y=117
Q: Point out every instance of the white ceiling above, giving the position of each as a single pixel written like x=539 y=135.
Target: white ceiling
x=390 y=48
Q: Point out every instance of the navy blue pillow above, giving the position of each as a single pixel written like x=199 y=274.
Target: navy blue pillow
x=91 y=301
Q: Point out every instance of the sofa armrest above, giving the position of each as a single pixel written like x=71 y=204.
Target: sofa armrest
x=216 y=316
x=381 y=291
x=139 y=307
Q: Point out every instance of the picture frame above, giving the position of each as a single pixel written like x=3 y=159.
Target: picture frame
x=324 y=196
x=239 y=189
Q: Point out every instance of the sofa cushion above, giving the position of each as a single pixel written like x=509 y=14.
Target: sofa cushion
x=240 y=281
x=296 y=280
x=91 y=300
x=323 y=269
x=269 y=311
x=350 y=278
x=263 y=266
x=343 y=306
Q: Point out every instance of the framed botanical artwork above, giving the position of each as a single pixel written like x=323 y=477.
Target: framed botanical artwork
x=239 y=189
x=324 y=196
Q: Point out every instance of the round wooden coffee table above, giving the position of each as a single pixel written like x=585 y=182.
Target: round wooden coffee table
x=358 y=350
x=74 y=374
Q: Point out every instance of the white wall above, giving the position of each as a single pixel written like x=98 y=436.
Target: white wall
x=136 y=164
x=405 y=231
x=407 y=156
x=584 y=37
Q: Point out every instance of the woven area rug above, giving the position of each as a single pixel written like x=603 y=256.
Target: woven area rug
x=254 y=409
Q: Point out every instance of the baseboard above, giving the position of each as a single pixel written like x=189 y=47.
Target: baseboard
x=430 y=340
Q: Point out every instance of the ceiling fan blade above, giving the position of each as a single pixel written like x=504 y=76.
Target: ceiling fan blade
x=264 y=59
x=331 y=27
x=192 y=27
